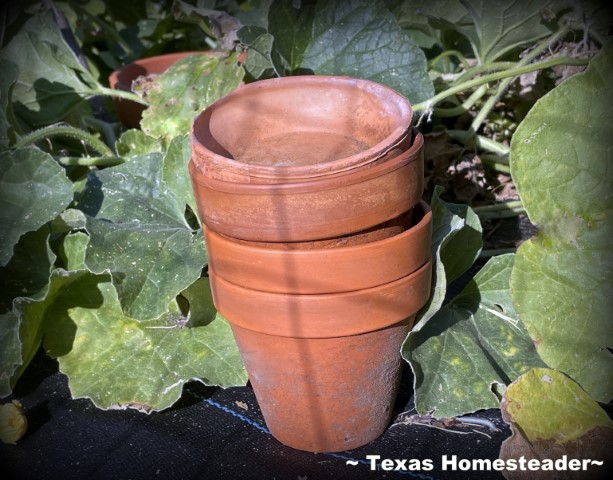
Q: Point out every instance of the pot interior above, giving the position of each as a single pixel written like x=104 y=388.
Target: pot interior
x=306 y=121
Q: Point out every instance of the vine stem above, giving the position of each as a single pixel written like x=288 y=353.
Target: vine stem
x=500 y=210
x=497 y=163
x=480 y=141
x=91 y=161
x=552 y=62
x=504 y=84
x=450 y=53
x=112 y=92
x=464 y=107
x=65 y=131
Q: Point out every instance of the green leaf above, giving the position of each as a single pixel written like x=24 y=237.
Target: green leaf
x=469 y=345
x=174 y=170
x=52 y=83
x=33 y=190
x=138 y=232
x=292 y=29
x=547 y=405
x=28 y=317
x=363 y=40
x=10 y=351
x=502 y=25
x=560 y=161
x=27 y=273
x=10 y=73
x=551 y=417
x=136 y=142
x=120 y=362
x=73 y=250
x=178 y=95
x=429 y=23
x=258 y=44
x=24 y=280
x=456 y=243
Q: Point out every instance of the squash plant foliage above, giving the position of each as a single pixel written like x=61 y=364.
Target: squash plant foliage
x=102 y=256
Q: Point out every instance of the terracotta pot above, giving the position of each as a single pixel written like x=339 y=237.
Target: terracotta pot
x=324 y=368
x=299 y=128
x=381 y=255
x=326 y=207
x=129 y=112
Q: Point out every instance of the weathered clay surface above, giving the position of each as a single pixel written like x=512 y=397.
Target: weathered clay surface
x=380 y=255
x=326 y=207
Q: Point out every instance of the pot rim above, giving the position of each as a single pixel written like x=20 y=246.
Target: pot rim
x=336 y=180
x=115 y=76
x=357 y=318
x=252 y=246
x=271 y=172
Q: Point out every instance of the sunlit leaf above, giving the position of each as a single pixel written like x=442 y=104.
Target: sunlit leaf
x=562 y=279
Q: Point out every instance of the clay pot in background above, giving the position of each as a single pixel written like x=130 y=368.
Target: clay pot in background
x=324 y=368
x=325 y=207
x=380 y=255
x=294 y=129
x=129 y=113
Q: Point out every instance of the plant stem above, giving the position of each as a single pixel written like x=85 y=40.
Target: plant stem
x=464 y=107
x=111 y=92
x=500 y=210
x=497 y=163
x=490 y=67
x=552 y=62
x=480 y=141
x=504 y=84
x=65 y=131
x=496 y=251
x=91 y=161
x=450 y=53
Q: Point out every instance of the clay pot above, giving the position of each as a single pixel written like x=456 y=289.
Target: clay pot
x=299 y=128
x=324 y=368
x=321 y=208
x=129 y=112
x=378 y=256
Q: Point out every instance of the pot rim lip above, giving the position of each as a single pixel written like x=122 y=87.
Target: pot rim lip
x=117 y=84
x=293 y=186
x=248 y=246
x=380 y=149
x=323 y=297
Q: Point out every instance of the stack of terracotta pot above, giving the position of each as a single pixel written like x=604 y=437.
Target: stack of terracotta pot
x=319 y=247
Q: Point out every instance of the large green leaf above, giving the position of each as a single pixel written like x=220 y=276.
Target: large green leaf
x=135 y=142
x=363 y=40
x=10 y=73
x=178 y=95
x=138 y=232
x=429 y=23
x=25 y=279
x=174 y=170
x=258 y=44
x=33 y=190
x=502 y=25
x=120 y=362
x=27 y=272
x=456 y=243
x=561 y=164
x=551 y=417
x=24 y=328
x=291 y=25
x=52 y=83
x=10 y=351
x=470 y=344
